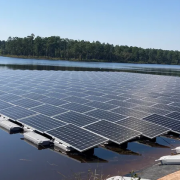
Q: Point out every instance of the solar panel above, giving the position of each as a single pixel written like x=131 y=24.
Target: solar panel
x=107 y=115
x=167 y=122
x=75 y=118
x=34 y=96
x=49 y=110
x=40 y=91
x=26 y=88
x=53 y=101
x=174 y=115
x=157 y=100
x=130 y=95
x=130 y=112
x=2 y=93
x=100 y=105
x=141 y=102
x=4 y=105
x=176 y=98
x=41 y=122
x=18 y=92
x=122 y=103
x=96 y=98
x=76 y=89
x=77 y=94
x=112 y=131
x=26 y=103
x=76 y=137
x=76 y=100
x=94 y=93
x=77 y=107
x=56 y=95
x=13 y=85
x=10 y=97
x=151 y=110
x=170 y=98
x=41 y=86
x=167 y=107
x=119 y=98
x=148 y=129
x=175 y=104
x=16 y=112
x=150 y=96
x=6 y=88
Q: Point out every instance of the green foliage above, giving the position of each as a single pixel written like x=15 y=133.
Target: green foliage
x=55 y=47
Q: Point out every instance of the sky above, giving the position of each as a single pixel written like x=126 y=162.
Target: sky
x=141 y=23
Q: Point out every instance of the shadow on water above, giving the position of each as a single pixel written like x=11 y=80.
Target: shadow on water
x=155 y=71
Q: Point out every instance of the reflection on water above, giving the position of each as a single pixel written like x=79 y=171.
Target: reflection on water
x=152 y=144
x=80 y=157
x=65 y=63
x=34 y=64
x=74 y=155
x=169 y=72
x=120 y=150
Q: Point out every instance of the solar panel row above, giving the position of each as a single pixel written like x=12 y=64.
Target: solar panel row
x=78 y=138
x=167 y=122
x=112 y=131
x=148 y=129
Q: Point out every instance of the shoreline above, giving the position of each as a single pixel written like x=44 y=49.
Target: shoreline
x=76 y=60
x=51 y=58
x=156 y=171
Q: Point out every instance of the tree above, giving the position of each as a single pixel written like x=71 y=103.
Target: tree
x=56 y=47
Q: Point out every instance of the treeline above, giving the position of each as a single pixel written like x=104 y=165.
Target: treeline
x=55 y=47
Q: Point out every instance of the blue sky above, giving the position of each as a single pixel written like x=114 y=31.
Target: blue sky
x=142 y=23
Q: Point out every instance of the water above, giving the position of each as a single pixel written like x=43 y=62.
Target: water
x=36 y=64
x=20 y=160
x=64 y=63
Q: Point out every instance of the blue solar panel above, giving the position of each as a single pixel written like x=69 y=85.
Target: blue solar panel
x=49 y=110
x=107 y=115
x=112 y=131
x=77 y=138
x=16 y=113
x=148 y=129
x=41 y=122
x=167 y=122
x=75 y=118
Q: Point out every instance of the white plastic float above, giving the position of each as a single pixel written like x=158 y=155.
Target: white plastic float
x=61 y=146
x=123 y=178
x=177 y=149
x=2 y=118
x=171 y=159
x=26 y=129
x=10 y=126
x=36 y=138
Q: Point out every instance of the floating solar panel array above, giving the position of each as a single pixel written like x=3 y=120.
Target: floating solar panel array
x=84 y=109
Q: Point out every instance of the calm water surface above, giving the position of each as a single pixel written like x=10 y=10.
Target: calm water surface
x=20 y=160
x=19 y=61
